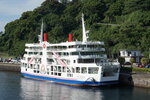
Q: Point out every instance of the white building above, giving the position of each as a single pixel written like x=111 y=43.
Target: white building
x=128 y=54
x=67 y=1
x=62 y=1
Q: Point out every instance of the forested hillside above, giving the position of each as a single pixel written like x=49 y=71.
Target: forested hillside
x=121 y=24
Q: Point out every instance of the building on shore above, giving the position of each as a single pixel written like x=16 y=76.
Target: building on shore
x=128 y=54
x=62 y=1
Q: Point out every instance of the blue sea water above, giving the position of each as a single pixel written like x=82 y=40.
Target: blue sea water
x=15 y=87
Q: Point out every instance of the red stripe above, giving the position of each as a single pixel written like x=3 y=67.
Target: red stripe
x=30 y=61
x=60 y=61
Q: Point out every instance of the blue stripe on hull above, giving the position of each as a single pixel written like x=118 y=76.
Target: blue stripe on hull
x=69 y=82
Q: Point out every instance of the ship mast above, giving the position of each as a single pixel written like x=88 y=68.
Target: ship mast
x=41 y=35
x=84 y=32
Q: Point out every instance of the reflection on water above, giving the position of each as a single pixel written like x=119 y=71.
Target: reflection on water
x=14 y=87
x=32 y=89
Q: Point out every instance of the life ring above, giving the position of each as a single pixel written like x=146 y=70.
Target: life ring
x=44 y=45
x=42 y=69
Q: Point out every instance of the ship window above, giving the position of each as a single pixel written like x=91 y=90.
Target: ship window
x=35 y=53
x=59 y=74
x=93 y=70
x=49 y=53
x=55 y=73
x=84 y=70
x=85 y=60
x=55 y=68
x=31 y=66
x=30 y=53
x=77 y=69
x=97 y=60
x=28 y=66
x=68 y=70
x=40 y=60
x=65 y=53
x=74 y=61
x=63 y=47
x=38 y=67
x=51 y=68
x=64 y=69
x=50 y=60
x=59 y=69
x=71 y=46
x=25 y=65
x=29 y=59
x=41 y=53
x=75 y=53
x=73 y=70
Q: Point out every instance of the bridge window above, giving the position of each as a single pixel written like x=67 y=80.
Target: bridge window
x=85 y=60
x=77 y=69
x=93 y=70
x=83 y=70
x=75 y=53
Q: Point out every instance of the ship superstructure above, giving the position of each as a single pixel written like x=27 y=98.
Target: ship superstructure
x=79 y=63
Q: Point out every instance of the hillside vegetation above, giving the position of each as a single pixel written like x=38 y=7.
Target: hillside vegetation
x=121 y=24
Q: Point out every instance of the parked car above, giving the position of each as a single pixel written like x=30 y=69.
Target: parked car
x=141 y=66
x=147 y=66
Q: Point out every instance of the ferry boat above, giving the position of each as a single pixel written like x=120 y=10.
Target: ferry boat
x=77 y=63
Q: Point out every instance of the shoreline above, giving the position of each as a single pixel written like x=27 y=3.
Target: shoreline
x=10 y=67
x=135 y=79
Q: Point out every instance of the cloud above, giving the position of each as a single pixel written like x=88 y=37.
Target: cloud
x=14 y=8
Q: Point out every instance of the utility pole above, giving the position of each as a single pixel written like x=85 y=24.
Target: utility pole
x=149 y=53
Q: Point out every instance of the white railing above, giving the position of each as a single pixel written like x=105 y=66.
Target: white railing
x=76 y=49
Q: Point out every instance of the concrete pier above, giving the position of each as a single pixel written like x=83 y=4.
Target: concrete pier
x=9 y=67
x=138 y=79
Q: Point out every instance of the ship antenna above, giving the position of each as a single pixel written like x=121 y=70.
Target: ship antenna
x=41 y=35
x=84 y=32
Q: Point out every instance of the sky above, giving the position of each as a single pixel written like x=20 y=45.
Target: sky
x=11 y=10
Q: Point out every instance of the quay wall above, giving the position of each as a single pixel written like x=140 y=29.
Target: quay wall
x=9 y=67
x=138 y=79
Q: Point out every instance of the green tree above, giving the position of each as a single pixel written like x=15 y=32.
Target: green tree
x=144 y=61
x=121 y=60
x=115 y=9
x=132 y=60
